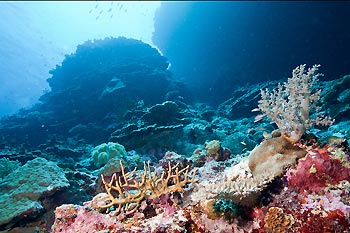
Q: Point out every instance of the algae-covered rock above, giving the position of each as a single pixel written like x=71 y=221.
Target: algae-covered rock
x=272 y=156
x=21 y=191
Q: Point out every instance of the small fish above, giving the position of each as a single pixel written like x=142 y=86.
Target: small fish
x=259 y=117
x=243 y=143
x=110 y=9
x=111 y=15
x=255 y=110
x=90 y=11
x=97 y=17
x=101 y=12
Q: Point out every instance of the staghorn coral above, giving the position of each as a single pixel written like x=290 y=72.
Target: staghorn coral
x=126 y=191
x=290 y=105
x=276 y=221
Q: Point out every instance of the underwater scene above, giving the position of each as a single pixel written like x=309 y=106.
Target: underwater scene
x=175 y=116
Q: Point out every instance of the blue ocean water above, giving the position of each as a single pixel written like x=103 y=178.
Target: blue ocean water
x=177 y=84
x=234 y=43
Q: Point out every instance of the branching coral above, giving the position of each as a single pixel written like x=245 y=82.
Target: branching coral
x=289 y=106
x=127 y=191
x=242 y=191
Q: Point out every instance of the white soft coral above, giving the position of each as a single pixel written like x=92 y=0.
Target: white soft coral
x=290 y=104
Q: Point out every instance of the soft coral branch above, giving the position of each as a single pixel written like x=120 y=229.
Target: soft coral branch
x=289 y=105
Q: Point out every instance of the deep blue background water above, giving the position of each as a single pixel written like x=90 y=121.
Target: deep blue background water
x=215 y=46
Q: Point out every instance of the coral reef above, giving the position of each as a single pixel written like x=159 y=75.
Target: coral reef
x=22 y=191
x=207 y=206
x=91 y=89
x=7 y=166
x=120 y=91
x=321 y=208
x=335 y=94
x=235 y=183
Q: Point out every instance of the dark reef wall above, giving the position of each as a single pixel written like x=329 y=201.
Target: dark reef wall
x=104 y=76
x=91 y=91
x=215 y=46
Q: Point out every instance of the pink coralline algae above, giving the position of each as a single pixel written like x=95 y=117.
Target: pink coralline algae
x=317 y=170
x=315 y=194
x=74 y=218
